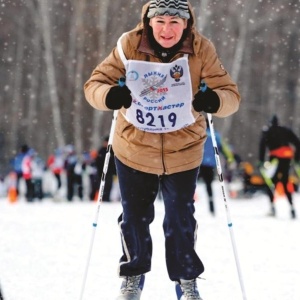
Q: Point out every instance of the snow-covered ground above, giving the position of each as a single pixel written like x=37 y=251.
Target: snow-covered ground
x=44 y=248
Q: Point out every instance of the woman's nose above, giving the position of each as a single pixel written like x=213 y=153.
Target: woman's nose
x=166 y=27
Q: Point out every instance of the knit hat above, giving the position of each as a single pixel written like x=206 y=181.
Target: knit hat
x=178 y=8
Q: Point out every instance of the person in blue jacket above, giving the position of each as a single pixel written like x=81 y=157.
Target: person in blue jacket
x=16 y=163
x=207 y=168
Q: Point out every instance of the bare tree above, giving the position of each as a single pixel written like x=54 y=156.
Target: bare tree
x=34 y=75
x=202 y=15
x=78 y=95
x=16 y=116
x=103 y=23
x=53 y=94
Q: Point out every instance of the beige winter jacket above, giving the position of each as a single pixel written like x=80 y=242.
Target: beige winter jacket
x=163 y=153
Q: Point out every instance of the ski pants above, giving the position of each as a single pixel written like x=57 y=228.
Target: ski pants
x=138 y=193
x=29 y=190
x=281 y=175
x=207 y=173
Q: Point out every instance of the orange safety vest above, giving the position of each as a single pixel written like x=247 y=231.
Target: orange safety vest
x=282 y=152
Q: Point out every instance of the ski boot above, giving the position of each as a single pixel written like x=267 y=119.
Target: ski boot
x=187 y=290
x=131 y=288
x=272 y=212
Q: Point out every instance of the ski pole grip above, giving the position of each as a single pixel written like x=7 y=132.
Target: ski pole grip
x=203 y=86
x=122 y=81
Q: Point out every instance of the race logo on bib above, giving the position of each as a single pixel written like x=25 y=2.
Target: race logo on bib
x=154 y=88
x=176 y=72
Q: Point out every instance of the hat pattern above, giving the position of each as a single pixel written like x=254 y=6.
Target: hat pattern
x=178 y=8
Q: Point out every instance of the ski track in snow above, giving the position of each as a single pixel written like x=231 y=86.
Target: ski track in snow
x=44 y=248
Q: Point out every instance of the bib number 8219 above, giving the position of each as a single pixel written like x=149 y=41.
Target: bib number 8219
x=150 y=120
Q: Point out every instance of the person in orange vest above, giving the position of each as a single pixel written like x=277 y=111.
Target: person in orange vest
x=11 y=187
x=284 y=146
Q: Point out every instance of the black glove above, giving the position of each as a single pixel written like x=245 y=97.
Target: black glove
x=118 y=97
x=207 y=101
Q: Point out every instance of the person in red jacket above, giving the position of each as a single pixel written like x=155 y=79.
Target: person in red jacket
x=27 y=174
x=283 y=146
x=56 y=164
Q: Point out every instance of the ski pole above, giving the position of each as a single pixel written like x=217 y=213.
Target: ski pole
x=121 y=83
x=296 y=168
x=203 y=88
x=266 y=177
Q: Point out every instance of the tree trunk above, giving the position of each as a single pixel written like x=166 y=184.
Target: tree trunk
x=98 y=115
x=238 y=57
x=202 y=20
x=17 y=111
x=34 y=75
x=78 y=138
x=53 y=94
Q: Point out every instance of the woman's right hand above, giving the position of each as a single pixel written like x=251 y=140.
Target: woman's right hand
x=117 y=97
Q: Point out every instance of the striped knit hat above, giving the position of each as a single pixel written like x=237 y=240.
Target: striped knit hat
x=178 y=8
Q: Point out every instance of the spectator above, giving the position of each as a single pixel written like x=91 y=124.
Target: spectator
x=27 y=165
x=111 y=171
x=73 y=169
x=38 y=168
x=91 y=169
x=17 y=164
x=208 y=165
x=56 y=163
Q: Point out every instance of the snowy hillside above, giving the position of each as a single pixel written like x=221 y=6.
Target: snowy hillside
x=44 y=247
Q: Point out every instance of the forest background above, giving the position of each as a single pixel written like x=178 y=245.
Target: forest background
x=50 y=47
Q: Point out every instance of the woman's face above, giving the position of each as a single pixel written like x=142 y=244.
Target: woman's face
x=167 y=30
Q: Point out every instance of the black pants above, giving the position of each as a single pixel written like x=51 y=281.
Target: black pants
x=38 y=188
x=58 y=179
x=138 y=193
x=74 y=183
x=29 y=190
x=207 y=174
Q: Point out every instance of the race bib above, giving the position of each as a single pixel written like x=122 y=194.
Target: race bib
x=161 y=94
